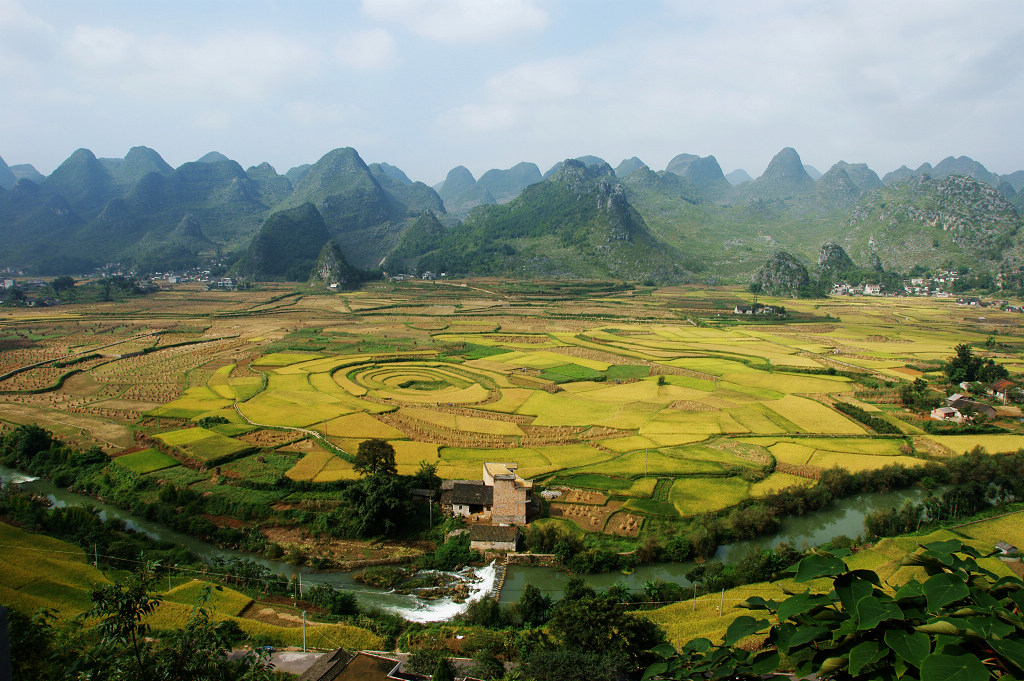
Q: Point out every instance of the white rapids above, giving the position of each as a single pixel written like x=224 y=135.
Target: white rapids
x=481 y=582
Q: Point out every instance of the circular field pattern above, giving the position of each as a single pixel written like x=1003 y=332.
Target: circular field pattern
x=418 y=382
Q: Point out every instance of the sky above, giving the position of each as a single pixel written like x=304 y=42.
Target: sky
x=427 y=85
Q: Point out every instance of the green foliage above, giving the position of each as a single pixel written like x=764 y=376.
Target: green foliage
x=585 y=621
x=533 y=607
x=453 y=553
x=375 y=456
x=917 y=396
x=966 y=366
x=286 y=246
x=334 y=601
x=210 y=421
x=961 y=622
x=877 y=424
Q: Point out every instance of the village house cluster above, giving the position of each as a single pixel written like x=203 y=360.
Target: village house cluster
x=960 y=408
x=496 y=505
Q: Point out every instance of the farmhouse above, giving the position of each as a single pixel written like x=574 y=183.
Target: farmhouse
x=493 y=537
x=968 y=406
x=946 y=414
x=1005 y=548
x=501 y=496
x=1001 y=388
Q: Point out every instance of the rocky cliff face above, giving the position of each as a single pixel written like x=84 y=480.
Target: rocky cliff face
x=782 y=275
x=331 y=268
x=832 y=258
x=915 y=217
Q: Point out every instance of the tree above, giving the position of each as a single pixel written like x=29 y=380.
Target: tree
x=375 y=456
x=487 y=666
x=586 y=621
x=961 y=623
x=533 y=607
x=443 y=671
x=963 y=366
x=61 y=284
x=122 y=609
x=380 y=503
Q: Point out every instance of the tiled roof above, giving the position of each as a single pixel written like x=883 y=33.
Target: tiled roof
x=500 y=533
x=470 y=494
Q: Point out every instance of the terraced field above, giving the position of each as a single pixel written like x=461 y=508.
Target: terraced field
x=662 y=397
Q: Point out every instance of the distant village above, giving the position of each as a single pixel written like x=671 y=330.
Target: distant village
x=936 y=286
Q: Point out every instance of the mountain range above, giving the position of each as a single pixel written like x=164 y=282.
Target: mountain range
x=580 y=219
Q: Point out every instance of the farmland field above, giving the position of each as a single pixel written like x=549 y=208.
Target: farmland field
x=662 y=398
x=37 y=572
x=146 y=461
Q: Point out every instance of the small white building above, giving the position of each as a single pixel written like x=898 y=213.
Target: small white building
x=946 y=414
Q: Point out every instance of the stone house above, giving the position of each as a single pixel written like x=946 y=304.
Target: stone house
x=501 y=496
x=493 y=537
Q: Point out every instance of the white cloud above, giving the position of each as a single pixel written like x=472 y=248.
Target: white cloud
x=480 y=118
x=370 y=50
x=100 y=45
x=25 y=39
x=527 y=97
x=310 y=113
x=212 y=119
x=247 y=66
x=536 y=81
x=460 y=21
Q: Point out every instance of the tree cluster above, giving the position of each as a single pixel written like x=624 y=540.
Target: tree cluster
x=965 y=366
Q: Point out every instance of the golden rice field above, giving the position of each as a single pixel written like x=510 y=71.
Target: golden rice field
x=594 y=387
x=1008 y=528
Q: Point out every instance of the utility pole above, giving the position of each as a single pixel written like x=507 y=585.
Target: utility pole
x=96 y=556
x=721 y=604
x=303 y=631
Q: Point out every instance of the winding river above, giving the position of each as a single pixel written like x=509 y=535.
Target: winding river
x=845 y=516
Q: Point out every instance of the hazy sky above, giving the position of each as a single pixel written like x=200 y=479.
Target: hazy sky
x=430 y=84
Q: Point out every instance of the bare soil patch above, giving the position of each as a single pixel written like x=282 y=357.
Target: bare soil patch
x=343 y=550
x=571 y=495
x=270 y=438
x=590 y=518
x=624 y=524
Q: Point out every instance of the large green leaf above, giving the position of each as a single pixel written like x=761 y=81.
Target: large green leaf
x=864 y=654
x=758 y=603
x=943 y=589
x=872 y=611
x=953 y=668
x=1011 y=651
x=765 y=662
x=912 y=647
x=940 y=627
x=819 y=565
x=788 y=636
x=832 y=664
x=851 y=588
x=800 y=603
x=911 y=589
x=742 y=627
x=665 y=650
